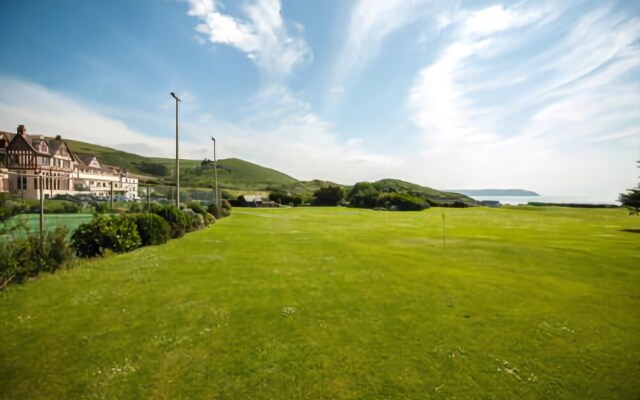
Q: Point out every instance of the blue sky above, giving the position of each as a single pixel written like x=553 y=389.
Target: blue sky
x=543 y=95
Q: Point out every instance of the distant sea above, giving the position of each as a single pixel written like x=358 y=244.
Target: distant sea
x=517 y=200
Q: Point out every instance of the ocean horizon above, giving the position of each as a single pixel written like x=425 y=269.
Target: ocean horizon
x=521 y=200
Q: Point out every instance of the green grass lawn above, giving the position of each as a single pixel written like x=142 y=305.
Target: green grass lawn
x=313 y=303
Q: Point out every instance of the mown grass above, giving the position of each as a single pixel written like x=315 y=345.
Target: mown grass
x=342 y=303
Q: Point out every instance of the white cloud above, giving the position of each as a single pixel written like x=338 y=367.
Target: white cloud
x=545 y=135
x=47 y=112
x=290 y=138
x=263 y=36
x=496 y=18
x=371 y=22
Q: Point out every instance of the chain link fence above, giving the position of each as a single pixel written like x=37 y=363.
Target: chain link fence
x=35 y=203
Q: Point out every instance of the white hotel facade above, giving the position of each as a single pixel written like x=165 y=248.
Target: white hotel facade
x=28 y=160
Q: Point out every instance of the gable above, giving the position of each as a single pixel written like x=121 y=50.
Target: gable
x=94 y=163
x=42 y=147
x=19 y=143
x=63 y=150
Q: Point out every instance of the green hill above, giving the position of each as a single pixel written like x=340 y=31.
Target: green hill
x=399 y=186
x=235 y=174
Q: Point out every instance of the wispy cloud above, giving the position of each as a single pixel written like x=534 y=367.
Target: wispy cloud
x=262 y=36
x=372 y=22
x=509 y=123
x=287 y=135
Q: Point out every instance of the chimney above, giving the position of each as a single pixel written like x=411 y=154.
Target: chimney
x=22 y=130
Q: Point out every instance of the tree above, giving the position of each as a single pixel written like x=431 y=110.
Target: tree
x=401 y=202
x=328 y=196
x=631 y=199
x=281 y=197
x=363 y=195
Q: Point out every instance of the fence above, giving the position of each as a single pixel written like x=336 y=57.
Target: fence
x=39 y=202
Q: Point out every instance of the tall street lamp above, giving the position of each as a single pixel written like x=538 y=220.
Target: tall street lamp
x=177 y=159
x=215 y=172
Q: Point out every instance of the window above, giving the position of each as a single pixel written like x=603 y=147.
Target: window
x=22 y=183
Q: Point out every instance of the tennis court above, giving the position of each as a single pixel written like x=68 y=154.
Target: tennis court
x=51 y=222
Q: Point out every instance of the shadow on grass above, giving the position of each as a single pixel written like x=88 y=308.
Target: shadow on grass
x=630 y=230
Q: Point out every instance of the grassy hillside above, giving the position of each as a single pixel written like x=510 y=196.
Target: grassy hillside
x=233 y=173
x=400 y=186
x=236 y=175
x=334 y=303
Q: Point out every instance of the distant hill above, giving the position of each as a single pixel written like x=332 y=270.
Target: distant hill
x=497 y=192
x=238 y=175
x=233 y=173
x=437 y=196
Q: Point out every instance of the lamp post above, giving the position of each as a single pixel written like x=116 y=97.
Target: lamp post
x=177 y=159
x=215 y=172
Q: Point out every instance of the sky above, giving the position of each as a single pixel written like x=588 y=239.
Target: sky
x=540 y=95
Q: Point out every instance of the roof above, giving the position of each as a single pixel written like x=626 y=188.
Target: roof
x=55 y=145
x=85 y=159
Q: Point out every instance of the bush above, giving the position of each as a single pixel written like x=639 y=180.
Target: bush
x=70 y=208
x=199 y=209
x=196 y=221
x=285 y=198
x=135 y=207
x=209 y=219
x=241 y=202
x=26 y=257
x=55 y=249
x=152 y=229
x=363 y=195
x=401 y=202
x=100 y=207
x=176 y=219
x=118 y=234
x=214 y=210
x=226 y=208
x=328 y=196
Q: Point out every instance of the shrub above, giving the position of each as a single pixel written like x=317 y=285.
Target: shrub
x=176 y=219
x=100 y=207
x=55 y=250
x=241 y=202
x=209 y=219
x=363 y=195
x=214 y=210
x=199 y=209
x=226 y=208
x=401 y=202
x=71 y=208
x=196 y=221
x=15 y=265
x=286 y=198
x=118 y=234
x=328 y=196
x=153 y=230
x=25 y=257
x=135 y=207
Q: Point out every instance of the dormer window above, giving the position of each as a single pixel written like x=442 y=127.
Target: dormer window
x=43 y=148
